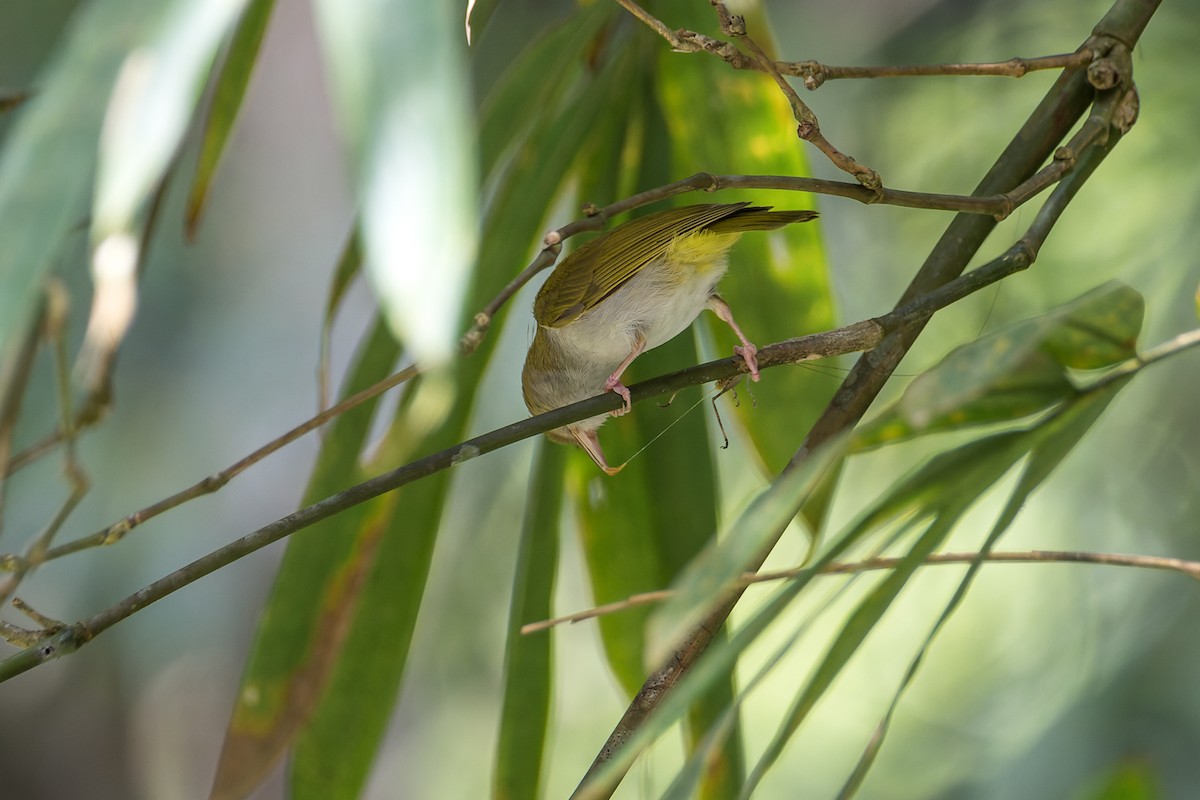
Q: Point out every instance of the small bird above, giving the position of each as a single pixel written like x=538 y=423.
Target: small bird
x=628 y=291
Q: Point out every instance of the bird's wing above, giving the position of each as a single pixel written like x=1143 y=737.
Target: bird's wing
x=603 y=265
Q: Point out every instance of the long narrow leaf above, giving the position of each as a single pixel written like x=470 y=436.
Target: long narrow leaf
x=528 y=660
x=399 y=84
x=233 y=78
x=314 y=591
x=49 y=154
x=1051 y=442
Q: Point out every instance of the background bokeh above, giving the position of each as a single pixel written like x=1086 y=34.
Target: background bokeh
x=1048 y=678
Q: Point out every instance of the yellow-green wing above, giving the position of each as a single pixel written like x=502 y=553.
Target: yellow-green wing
x=603 y=265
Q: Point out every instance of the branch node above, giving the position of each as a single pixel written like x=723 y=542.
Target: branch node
x=1103 y=74
x=116 y=532
x=812 y=73
x=49 y=624
x=471 y=340
x=1126 y=112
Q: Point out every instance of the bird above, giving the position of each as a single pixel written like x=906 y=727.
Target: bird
x=628 y=291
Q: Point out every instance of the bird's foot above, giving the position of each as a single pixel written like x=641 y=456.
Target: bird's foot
x=749 y=354
x=613 y=384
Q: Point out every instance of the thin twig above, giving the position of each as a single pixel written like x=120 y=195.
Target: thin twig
x=12 y=393
x=1182 y=566
x=53 y=327
x=808 y=128
x=814 y=73
x=116 y=531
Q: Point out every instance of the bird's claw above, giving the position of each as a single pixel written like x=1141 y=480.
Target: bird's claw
x=749 y=354
x=612 y=385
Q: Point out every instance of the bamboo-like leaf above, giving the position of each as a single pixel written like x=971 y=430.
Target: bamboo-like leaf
x=619 y=543
x=332 y=756
x=706 y=582
x=153 y=100
x=1017 y=371
x=348 y=267
x=400 y=88
x=941 y=491
x=49 y=155
x=315 y=589
x=1049 y=442
x=528 y=660
x=639 y=527
x=535 y=83
x=232 y=79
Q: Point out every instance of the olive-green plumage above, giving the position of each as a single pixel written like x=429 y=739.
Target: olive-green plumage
x=627 y=291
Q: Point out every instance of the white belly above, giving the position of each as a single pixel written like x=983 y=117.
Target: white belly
x=650 y=304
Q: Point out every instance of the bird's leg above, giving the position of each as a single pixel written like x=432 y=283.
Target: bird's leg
x=613 y=384
x=590 y=442
x=747 y=351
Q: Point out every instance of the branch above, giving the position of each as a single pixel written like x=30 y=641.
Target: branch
x=814 y=73
x=1182 y=566
x=116 y=531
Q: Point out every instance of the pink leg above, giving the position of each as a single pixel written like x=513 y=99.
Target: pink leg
x=747 y=351
x=613 y=384
x=590 y=442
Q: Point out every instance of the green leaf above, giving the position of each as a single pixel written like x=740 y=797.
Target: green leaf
x=1015 y=372
x=940 y=491
x=304 y=621
x=706 y=582
x=528 y=660
x=640 y=528
x=1132 y=779
x=152 y=103
x=1099 y=329
x=333 y=755
x=348 y=267
x=49 y=155
x=232 y=80
x=1049 y=442
x=534 y=85
x=400 y=88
